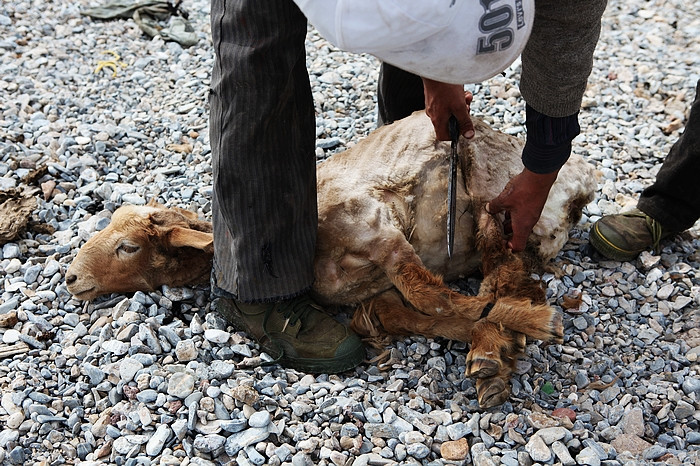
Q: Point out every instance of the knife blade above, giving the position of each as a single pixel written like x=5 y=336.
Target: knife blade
x=452 y=186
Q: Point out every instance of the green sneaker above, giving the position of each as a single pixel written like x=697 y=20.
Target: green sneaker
x=297 y=333
x=623 y=236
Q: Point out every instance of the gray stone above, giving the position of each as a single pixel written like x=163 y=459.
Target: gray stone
x=180 y=385
x=349 y=430
x=588 y=456
x=234 y=425
x=95 y=374
x=458 y=430
x=373 y=416
x=693 y=437
x=253 y=456
x=185 y=350
x=259 y=419
x=128 y=367
x=562 y=453
x=691 y=385
x=551 y=434
x=381 y=430
x=538 y=449
x=654 y=452
x=157 y=441
x=209 y=443
x=147 y=396
x=17 y=455
x=684 y=410
x=417 y=450
x=238 y=441
x=633 y=422
x=179 y=428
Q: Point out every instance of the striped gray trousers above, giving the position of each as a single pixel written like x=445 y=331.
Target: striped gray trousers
x=262 y=131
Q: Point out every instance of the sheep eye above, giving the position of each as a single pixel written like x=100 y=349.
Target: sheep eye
x=127 y=248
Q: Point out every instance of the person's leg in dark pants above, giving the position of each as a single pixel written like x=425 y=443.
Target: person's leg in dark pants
x=262 y=131
x=669 y=206
x=262 y=136
x=674 y=198
x=399 y=93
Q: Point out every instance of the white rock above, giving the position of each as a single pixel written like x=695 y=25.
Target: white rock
x=538 y=450
x=157 y=441
x=15 y=420
x=128 y=369
x=181 y=384
x=10 y=336
x=216 y=336
x=13 y=266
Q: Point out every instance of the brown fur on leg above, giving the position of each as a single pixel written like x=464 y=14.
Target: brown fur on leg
x=398 y=318
x=489 y=343
x=538 y=321
x=505 y=273
x=446 y=313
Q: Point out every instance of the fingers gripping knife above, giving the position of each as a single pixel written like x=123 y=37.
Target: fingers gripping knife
x=452 y=186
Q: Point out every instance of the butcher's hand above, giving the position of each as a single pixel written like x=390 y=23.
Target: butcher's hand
x=522 y=200
x=443 y=100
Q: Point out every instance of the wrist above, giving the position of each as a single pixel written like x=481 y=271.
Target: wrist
x=548 y=144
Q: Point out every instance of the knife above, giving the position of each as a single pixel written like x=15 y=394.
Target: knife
x=452 y=186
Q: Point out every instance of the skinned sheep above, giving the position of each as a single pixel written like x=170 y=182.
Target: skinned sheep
x=382 y=245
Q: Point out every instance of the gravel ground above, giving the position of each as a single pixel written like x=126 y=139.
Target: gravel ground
x=154 y=378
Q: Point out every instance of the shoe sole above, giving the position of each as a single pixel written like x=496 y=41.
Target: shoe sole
x=311 y=365
x=608 y=249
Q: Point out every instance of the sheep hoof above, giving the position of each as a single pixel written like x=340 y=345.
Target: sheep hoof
x=491 y=392
x=480 y=367
x=557 y=326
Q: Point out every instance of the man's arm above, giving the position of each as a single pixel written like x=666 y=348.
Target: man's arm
x=556 y=62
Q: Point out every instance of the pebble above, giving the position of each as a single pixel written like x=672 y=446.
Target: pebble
x=11 y=336
x=180 y=385
x=216 y=336
x=128 y=369
x=154 y=378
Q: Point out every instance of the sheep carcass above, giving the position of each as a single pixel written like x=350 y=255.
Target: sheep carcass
x=382 y=245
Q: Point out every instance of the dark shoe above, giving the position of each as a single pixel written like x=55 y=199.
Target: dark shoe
x=297 y=333
x=623 y=236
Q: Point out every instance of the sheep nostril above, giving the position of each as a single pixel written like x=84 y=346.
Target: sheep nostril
x=70 y=279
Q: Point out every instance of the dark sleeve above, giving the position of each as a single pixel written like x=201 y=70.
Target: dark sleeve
x=558 y=57
x=548 y=144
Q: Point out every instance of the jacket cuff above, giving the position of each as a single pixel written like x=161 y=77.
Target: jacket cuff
x=548 y=144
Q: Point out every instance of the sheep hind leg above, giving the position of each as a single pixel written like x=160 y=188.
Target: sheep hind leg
x=452 y=315
x=389 y=314
x=538 y=321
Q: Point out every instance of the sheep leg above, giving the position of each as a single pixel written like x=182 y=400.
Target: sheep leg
x=489 y=342
x=538 y=321
x=492 y=357
x=389 y=312
x=428 y=294
x=424 y=290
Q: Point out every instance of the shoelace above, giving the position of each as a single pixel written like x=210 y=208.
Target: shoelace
x=292 y=310
x=655 y=230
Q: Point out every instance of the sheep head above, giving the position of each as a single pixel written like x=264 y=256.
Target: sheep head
x=143 y=248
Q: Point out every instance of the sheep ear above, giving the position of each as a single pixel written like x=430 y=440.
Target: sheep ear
x=181 y=237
